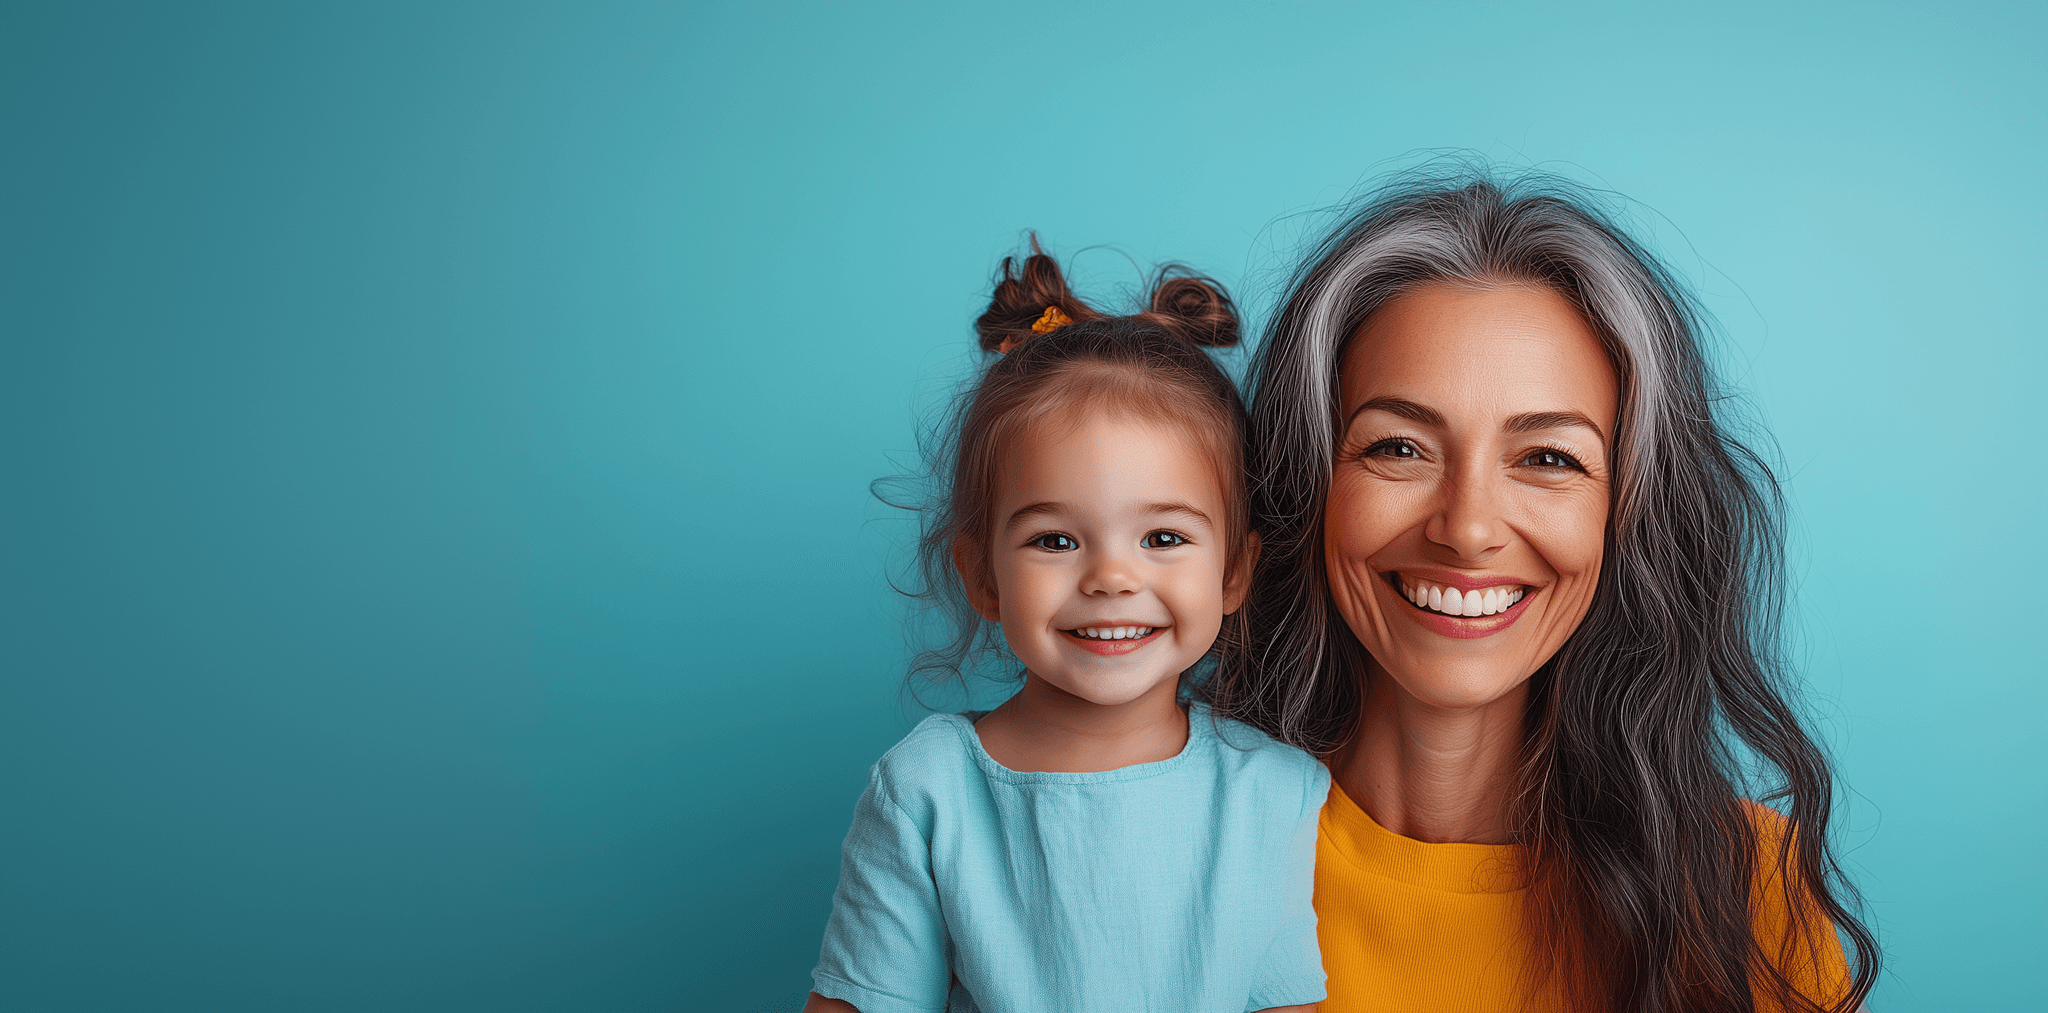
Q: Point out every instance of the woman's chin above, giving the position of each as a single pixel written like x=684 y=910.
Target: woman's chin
x=1457 y=683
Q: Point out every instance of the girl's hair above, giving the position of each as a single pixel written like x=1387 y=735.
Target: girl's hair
x=1629 y=797
x=1148 y=365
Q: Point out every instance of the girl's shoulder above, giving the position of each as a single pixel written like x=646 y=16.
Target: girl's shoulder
x=1261 y=762
x=1236 y=736
x=935 y=761
x=939 y=743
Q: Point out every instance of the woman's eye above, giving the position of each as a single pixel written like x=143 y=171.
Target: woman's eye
x=1162 y=540
x=1056 y=543
x=1552 y=459
x=1399 y=450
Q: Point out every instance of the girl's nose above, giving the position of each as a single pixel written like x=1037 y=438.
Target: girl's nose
x=1468 y=522
x=1111 y=573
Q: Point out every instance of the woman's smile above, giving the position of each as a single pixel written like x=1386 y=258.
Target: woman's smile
x=1454 y=605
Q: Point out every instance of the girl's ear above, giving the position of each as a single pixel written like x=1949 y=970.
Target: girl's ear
x=1238 y=580
x=971 y=564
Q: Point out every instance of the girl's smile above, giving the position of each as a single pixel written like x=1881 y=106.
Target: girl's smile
x=1113 y=639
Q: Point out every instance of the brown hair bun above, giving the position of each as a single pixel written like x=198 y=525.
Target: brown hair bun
x=1023 y=293
x=1189 y=306
x=1194 y=307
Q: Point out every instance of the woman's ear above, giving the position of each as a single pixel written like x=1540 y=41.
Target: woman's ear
x=971 y=564
x=1238 y=579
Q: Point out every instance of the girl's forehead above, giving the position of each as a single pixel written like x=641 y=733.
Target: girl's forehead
x=1108 y=456
x=1067 y=425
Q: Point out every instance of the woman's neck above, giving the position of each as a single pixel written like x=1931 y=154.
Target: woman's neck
x=1045 y=728
x=1430 y=773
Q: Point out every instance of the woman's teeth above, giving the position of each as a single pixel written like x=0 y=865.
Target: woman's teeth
x=1452 y=602
x=1115 y=632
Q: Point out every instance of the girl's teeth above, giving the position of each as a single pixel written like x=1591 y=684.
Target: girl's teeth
x=1115 y=632
x=1452 y=602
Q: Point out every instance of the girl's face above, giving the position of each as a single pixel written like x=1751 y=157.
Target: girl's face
x=1107 y=566
x=1468 y=508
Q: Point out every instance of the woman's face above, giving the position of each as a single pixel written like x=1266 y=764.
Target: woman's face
x=1467 y=513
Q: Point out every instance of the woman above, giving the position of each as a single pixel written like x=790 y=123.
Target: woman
x=1521 y=590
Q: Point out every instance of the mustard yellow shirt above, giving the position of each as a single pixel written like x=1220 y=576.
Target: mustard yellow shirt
x=1411 y=926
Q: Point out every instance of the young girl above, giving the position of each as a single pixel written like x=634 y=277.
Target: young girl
x=1094 y=843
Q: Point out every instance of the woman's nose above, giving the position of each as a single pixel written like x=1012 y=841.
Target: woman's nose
x=1469 y=522
x=1111 y=573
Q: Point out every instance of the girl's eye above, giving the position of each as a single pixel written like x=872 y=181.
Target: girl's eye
x=1552 y=459
x=1056 y=543
x=1163 y=540
x=1398 y=449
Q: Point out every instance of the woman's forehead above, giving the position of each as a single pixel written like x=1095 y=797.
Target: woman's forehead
x=1475 y=352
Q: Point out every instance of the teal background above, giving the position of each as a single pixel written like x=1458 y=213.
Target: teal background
x=438 y=566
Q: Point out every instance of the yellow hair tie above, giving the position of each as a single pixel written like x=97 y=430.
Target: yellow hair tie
x=1051 y=320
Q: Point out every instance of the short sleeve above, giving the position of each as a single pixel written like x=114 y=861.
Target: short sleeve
x=886 y=949
x=1291 y=973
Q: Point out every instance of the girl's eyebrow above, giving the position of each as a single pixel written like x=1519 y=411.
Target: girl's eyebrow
x=1035 y=509
x=1048 y=507
x=1177 y=507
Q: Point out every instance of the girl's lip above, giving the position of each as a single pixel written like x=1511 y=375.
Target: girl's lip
x=1112 y=648
x=1461 y=627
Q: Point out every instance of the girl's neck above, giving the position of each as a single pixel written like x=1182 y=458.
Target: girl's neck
x=1044 y=728
x=1434 y=774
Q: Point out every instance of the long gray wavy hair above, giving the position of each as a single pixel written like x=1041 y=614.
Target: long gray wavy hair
x=1630 y=793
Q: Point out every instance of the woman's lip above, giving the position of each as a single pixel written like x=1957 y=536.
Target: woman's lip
x=1462 y=627
x=1461 y=581
x=1112 y=648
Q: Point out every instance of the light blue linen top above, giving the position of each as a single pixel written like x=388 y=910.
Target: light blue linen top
x=1181 y=886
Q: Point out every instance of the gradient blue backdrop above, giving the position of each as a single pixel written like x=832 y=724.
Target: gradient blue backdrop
x=438 y=569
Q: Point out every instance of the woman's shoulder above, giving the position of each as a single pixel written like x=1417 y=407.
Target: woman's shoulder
x=1764 y=819
x=1774 y=878
x=1773 y=834
x=1790 y=928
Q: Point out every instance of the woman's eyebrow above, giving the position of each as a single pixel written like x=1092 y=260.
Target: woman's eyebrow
x=1527 y=422
x=1531 y=422
x=1410 y=410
